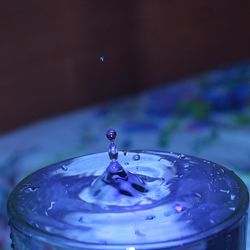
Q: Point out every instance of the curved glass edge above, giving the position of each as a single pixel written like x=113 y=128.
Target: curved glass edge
x=24 y=228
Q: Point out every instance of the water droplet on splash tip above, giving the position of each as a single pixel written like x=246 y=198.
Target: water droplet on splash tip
x=113 y=153
x=112 y=150
x=125 y=182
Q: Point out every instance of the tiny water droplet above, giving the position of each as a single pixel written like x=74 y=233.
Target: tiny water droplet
x=64 y=168
x=232 y=208
x=179 y=208
x=113 y=153
x=150 y=217
x=126 y=163
x=125 y=153
x=136 y=157
x=111 y=134
x=102 y=58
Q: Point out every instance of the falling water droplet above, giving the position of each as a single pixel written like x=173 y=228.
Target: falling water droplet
x=111 y=134
x=102 y=58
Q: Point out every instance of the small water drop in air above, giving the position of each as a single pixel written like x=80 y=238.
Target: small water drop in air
x=111 y=134
x=101 y=58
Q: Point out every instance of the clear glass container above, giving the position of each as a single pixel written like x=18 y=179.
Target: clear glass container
x=183 y=203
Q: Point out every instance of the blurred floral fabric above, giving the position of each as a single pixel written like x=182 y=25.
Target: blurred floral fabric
x=207 y=116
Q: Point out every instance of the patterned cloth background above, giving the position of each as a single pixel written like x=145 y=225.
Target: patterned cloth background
x=207 y=116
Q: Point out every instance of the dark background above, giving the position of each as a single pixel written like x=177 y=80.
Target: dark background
x=50 y=50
